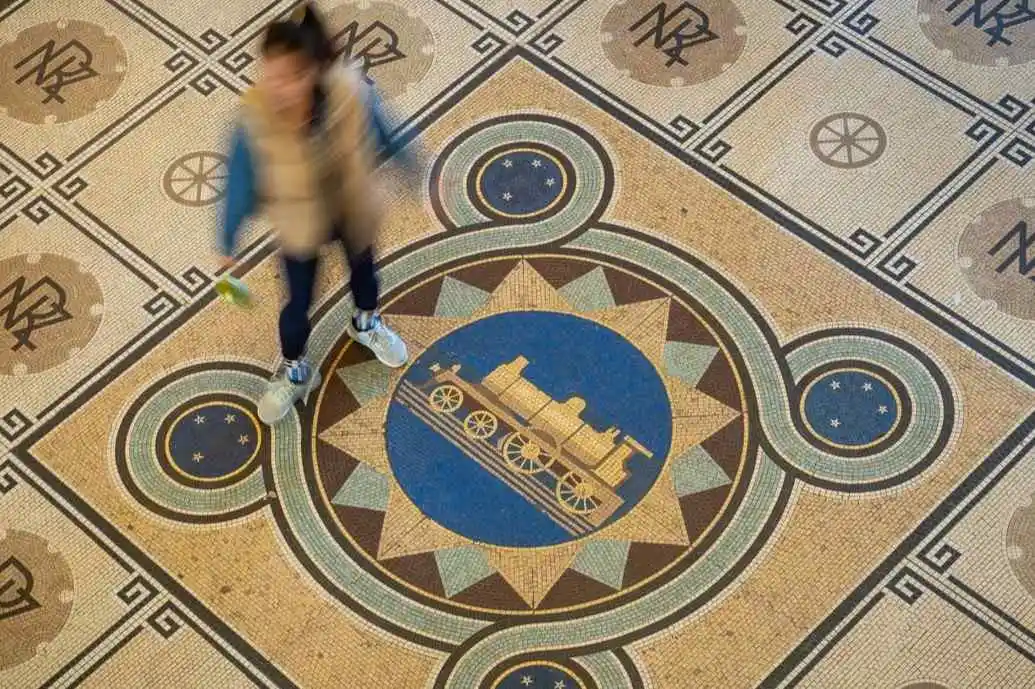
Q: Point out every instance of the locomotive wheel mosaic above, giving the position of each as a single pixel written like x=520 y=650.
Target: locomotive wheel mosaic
x=719 y=367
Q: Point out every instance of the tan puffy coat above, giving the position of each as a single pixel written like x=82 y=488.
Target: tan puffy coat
x=304 y=180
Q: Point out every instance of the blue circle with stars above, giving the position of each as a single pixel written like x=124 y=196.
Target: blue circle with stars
x=539 y=675
x=213 y=441
x=545 y=379
x=851 y=408
x=523 y=180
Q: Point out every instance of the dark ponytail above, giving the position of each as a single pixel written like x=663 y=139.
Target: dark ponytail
x=315 y=28
x=305 y=32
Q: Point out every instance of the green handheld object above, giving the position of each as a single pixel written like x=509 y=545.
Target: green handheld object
x=234 y=291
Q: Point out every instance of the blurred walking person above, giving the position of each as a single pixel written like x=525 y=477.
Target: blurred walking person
x=303 y=145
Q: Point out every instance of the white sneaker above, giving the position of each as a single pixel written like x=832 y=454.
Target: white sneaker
x=281 y=395
x=384 y=342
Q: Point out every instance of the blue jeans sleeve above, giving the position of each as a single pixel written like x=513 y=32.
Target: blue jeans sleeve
x=241 y=198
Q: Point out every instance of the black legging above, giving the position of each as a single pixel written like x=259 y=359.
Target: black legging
x=301 y=278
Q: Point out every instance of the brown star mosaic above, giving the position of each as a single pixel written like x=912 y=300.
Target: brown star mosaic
x=697 y=487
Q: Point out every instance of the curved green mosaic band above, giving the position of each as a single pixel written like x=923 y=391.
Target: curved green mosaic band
x=744 y=530
x=759 y=504
x=148 y=474
x=589 y=176
x=772 y=390
x=921 y=433
x=606 y=670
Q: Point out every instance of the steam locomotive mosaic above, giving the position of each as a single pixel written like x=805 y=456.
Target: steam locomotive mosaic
x=538 y=446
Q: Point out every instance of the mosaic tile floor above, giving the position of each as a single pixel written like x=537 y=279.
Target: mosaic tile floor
x=722 y=330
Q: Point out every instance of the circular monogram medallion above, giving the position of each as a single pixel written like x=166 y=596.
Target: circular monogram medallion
x=59 y=71
x=51 y=309
x=981 y=33
x=673 y=44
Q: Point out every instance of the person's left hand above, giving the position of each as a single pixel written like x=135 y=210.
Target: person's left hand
x=226 y=264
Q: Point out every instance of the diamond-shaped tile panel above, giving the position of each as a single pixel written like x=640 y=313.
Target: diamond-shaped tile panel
x=461 y=568
x=603 y=561
x=590 y=292
x=695 y=471
x=364 y=488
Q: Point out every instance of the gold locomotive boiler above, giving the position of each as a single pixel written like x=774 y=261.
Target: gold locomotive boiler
x=531 y=433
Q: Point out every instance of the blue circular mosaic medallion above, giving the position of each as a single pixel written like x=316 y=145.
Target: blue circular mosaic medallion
x=540 y=675
x=851 y=408
x=529 y=429
x=522 y=180
x=212 y=441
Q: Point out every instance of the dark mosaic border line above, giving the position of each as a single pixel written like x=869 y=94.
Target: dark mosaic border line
x=14 y=188
x=862 y=600
x=169 y=619
x=909 y=584
x=973 y=594
x=136 y=603
x=104 y=658
x=516 y=23
x=33 y=480
x=631 y=670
